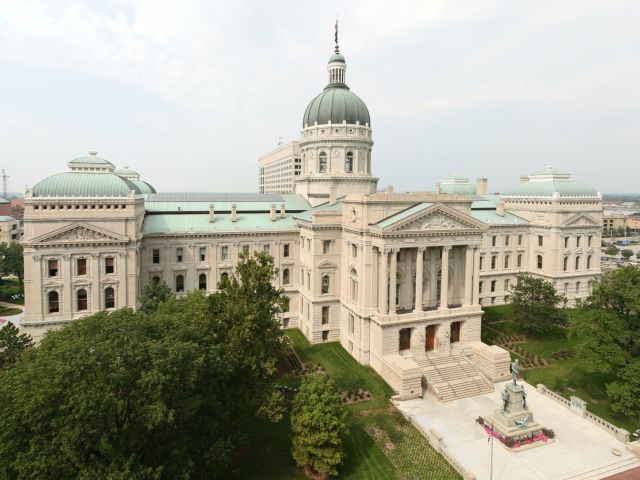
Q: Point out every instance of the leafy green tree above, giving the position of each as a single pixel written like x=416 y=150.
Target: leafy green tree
x=119 y=395
x=535 y=304
x=12 y=260
x=318 y=425
x=153 y=294
x=612 y=250
x=626 y=253
x=12 y=344
x=608 y=332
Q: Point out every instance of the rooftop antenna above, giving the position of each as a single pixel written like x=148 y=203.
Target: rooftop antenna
x=279 y=140
x=4 y=184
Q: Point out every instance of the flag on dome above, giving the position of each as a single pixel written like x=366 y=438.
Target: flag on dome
x=336 y=31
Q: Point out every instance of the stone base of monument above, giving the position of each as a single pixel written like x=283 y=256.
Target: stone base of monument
x=514 y=420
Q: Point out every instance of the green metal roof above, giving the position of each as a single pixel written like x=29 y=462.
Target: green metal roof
x=403 y=214
x=91 y=160
x=199 y=223
x=126 y=172
x=336 y=104
x=81 y=184
x=143 y=186
x=490 y=217
x=179 y=202
x=483 y=202
x=458 y=188
x=5 y=218
x=564 y=188
x=336 y=57
x=325 y=207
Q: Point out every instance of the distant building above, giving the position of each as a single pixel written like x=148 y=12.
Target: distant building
x=9 y=229
x=278 y=168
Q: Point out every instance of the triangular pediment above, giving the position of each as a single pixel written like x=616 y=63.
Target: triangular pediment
x=437 y=217
x=79 y=233
x=581 y=220
x=326 y=264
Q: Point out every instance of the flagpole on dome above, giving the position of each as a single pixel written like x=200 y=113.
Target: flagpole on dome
x=336 y=36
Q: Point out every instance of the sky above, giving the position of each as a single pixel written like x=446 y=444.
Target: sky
x=191 y=93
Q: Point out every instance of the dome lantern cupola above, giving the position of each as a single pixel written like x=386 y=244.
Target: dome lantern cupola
x=337 y=68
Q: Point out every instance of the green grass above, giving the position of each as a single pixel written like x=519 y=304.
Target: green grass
x=7 y=312
x=366 y=457
x=497 y=311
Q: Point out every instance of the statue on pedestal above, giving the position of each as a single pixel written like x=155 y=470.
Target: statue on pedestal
x=515 y=370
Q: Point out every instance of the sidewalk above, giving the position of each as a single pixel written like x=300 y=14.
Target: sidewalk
x=15 y=319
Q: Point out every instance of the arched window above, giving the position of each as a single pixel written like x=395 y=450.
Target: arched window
x=588 y=262
x=325 y=284
x=109 y=298
x=565 y=263
x=354 y=285
x=224 y=277
x=156 y=279
x=54 y=302
x=179 y=283
x=322 y=167
x=285 y=276
x=348 y=163
x=578 y=262
x=82 y=299
x=540 y=262
x=202 y=281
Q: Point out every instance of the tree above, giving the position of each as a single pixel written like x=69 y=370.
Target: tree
x=318 y=425
x=638 y=254
x=607 y=328
x=626 y=253
x=153 y=294
x=612 y=250
x=12 y=344
x=535 y=304
x=12 y=260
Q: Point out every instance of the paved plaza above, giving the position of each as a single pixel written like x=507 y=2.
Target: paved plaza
x=581 y=450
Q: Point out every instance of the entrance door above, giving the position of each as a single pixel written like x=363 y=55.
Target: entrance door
x=455 y=331
x=430 y=338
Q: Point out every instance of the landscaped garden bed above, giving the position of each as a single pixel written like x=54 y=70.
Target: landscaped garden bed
x=542 y=437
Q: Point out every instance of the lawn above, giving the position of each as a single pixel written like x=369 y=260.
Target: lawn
x=368 y=455
x=7 y=312
x=566 y=376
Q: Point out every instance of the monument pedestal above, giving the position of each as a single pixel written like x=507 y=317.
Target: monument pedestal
x=514 y=419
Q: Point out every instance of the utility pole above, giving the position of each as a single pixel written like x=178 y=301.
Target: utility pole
x=4 y=184
x=491 y=462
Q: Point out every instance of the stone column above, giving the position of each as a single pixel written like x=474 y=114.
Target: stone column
x=65 y=297
x=419 y=269
x=476 y=275
x=444 y=278
x=468 y=275
x=383 y=305
x=393 y=280
x=433 y=275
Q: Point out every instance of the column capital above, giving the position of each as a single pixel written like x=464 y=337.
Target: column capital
x=446 y=247
x=422 y=249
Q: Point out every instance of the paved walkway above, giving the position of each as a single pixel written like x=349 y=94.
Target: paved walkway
x=15 y=319
x=579 y=447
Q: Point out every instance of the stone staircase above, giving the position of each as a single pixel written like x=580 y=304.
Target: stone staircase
x=453 y=376
x=606 y=471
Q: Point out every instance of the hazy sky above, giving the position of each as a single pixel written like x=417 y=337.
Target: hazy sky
x=191 y=93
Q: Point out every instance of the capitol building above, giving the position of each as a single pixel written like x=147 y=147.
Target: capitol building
x=397 y=278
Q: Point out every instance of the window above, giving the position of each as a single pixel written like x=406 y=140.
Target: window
x=155 y=255
x=354 y=285
x=52 y=266
x=404 y=339
x=577 y=288
x=245 y=249
x=519 y=240
x=285 y=276
x=565 y=264
x=578 y=241
x=155 y=279
x=109 y=298
x=325 y=335
x=224 y=277
x=266 y=249
x=493 y=262
x=54 y=303
x=81 y=265
x=202 y=281
x=506 y=285
x=519 y=260
x=109 y=263
x=493 y=285
x=482 y=262
x=506 y=240
x=179 y=283
x=326 y=245
x=539 y=262
x=325 y=315
x=455 y=332
x=308 y=280
x=203 y=254
x=285 y=250
x=540 y=240
x=179 y=254
x=354 y=250
x=325 y=284
x=480 y=285
x=323 y=162
x=589 y=262
x=494 y=240
x=82 y=299
x=566 y=242
x=589 y=239
x=351 y=323
x=578 y=262
x=506 y=261
x=224 y=253
x=348 y=163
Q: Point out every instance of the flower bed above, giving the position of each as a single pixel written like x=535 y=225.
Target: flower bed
x=543 y=436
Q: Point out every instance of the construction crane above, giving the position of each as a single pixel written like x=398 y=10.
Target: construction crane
x=4 y=184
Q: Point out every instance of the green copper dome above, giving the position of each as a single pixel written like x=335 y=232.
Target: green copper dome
x=143 y=186
x=336 y=104
x=80 y=184
x=550 y=182
x=336 y=57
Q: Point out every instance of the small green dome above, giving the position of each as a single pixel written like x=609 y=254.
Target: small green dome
x=336 y=104
x=336 y=57
x=550 y=182
x=143 y=186
x=126 y=172
x=80 y=184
